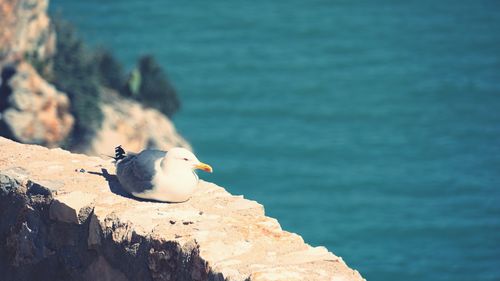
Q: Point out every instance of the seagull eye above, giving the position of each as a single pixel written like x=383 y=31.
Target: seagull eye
x=185 y=159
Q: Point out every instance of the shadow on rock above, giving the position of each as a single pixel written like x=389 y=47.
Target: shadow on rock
x=114 y=184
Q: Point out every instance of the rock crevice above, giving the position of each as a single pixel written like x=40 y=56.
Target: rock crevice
x=63 y=219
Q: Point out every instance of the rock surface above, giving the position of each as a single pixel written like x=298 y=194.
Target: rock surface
x=65 y=218
x=25 y=30
x=34 y=111
x=132 y=125
x=31 y=110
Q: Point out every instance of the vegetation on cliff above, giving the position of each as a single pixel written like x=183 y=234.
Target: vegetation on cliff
x=75 y=73
x=149 y=85
x=82 y=72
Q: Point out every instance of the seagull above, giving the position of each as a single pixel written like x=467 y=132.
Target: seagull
x=159 y=175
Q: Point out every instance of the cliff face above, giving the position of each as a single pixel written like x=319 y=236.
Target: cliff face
x=31 y=110
x=25 y=30
x=130 y=124
x=34 y=111
x=65 y=218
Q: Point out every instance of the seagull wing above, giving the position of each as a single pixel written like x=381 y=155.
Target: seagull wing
x=136 y=172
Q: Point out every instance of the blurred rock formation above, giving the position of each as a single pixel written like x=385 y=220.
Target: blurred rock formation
x=132 y=125
x=25 y=30
x=34 y=111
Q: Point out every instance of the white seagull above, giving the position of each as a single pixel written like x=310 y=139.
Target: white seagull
x=159 y=175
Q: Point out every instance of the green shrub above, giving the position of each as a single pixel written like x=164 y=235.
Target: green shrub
x=110 y=71
x=75 y=73
x=80 y=73
x=149 y=84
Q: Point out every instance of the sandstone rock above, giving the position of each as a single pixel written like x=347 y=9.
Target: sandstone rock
x=31 y=109
x=25 y=30
x=101 y=270
x=95 y=233
x=213 y=236
x=35 y=111
x=74 y=207
x=133 y=126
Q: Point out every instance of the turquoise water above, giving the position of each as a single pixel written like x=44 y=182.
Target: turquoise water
x=370 y=128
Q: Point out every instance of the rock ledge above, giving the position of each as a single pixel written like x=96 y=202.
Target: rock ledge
x=64 y=218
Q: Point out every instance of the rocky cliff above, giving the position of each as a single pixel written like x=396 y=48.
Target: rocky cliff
x=25 y=30
x=34 y=111
x=132 y=125
x=64 y=217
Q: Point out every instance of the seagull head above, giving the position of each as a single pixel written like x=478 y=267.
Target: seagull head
x=182 y=157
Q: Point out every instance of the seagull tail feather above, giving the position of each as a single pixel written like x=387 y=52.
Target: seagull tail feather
x=119 y=153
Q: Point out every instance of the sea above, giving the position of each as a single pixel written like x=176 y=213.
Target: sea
x=368 y=127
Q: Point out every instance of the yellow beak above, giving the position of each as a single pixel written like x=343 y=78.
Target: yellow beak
x=204 y=167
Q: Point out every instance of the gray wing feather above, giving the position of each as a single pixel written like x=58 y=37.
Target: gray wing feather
x=135 y=172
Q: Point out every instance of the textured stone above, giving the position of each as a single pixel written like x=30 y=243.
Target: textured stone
x=25 y=30
x=135 y=127
x=33 y=111
x=17 y=173
x=74 y=207
x=213 y=236
x=101 y=270
x=95 y=233
x=36 y=112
